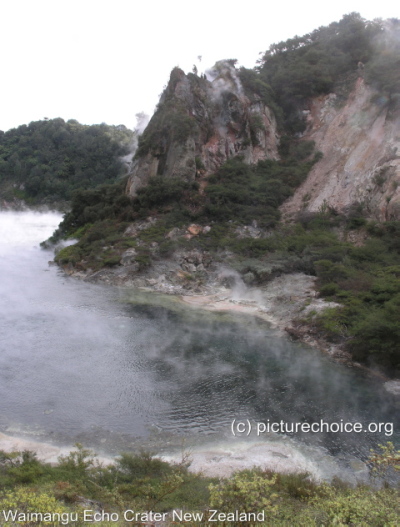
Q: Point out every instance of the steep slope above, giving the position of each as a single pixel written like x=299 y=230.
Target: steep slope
x=360 y=142
x=200 y=123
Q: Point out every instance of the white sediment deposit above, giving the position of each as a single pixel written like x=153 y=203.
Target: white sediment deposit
x=277 y=454
x=281 y=302
x=222 y=459
x=45 y=452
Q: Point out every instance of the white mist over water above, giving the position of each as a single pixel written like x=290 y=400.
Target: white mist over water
x=77 y=364
x=19 y=229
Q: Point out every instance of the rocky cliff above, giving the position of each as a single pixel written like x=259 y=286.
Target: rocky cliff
x=360 y=143
x=202 y=121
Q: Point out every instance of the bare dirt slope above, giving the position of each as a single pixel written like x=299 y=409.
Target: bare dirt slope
x=360 y=143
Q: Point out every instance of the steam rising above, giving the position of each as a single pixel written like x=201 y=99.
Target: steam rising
x=224 y=78
x=239 y=290
x=78 y=364
x=142 y=120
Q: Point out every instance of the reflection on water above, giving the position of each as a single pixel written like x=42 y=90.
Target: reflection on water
x=79 y=361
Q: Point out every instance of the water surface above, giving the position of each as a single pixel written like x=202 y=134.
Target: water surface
x=80 y=363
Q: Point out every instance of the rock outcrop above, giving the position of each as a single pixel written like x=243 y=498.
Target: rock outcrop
x=360 y=143
x=202 y=121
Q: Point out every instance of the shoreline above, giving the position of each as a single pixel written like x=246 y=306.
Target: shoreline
x=284 y=303
x=222 y=458
x=288 y=301
x=45 y=452
x=214 y=304
x=284 y=325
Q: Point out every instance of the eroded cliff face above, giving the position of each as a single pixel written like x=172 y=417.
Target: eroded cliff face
x=200 y=123
x=360 y=143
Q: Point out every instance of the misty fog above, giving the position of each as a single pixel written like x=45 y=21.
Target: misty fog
x=78 y=362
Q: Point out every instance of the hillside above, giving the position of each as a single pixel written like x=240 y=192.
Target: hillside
x=310 y=133
x=46 y=161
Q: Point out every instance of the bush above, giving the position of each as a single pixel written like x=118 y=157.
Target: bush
x=377 y=336
x=359 y=506
x=329 y=289
x=71 y=254
x=246 y=491
x=244 y=193
x=161 y=191
x=382 y=462
x=25 y=501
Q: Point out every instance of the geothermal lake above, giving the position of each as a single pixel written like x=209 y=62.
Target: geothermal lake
x=120 y=370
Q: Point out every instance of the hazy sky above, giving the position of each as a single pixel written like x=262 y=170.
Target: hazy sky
x=106 y=60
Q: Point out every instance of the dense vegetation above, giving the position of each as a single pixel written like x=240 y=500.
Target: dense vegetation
x=325 y=60
x=46 y=161
x=237 y=190
x=143 y=483
x=244 y=193
x=364 y=280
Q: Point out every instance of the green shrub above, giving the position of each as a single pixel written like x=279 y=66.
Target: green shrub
x=27 y=501
x=161 y=191
x=71 y=254
x=246 y=491
x=383 y=461
x=329 y=289
x=360 y=506
x=330 y=323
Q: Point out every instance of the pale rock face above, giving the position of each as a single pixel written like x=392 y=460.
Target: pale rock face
x=360 y=143
x=226 y=124
x=128 y=257
x=143 y=170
